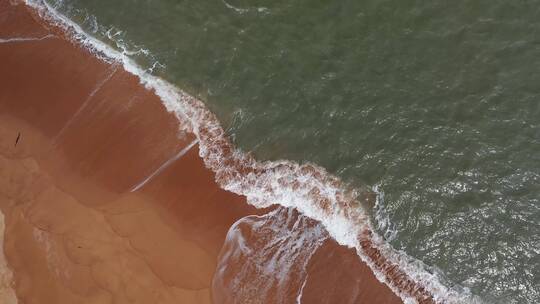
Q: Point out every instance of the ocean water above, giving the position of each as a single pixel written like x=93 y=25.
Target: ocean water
x=435 y=106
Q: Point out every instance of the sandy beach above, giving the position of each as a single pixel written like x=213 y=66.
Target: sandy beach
x=105 y=200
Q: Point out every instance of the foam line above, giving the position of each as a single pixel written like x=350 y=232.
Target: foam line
x=165 y=165
x=301 y=292
x=24 y=39
x=308 y=188
x=98 y=87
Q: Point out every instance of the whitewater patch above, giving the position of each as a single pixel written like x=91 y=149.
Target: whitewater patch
x=307 y=188
x=382 y=219
x=266 y=258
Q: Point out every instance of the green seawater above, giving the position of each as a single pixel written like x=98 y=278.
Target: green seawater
x=434 y=103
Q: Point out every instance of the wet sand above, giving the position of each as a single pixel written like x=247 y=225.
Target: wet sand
x=106 y=201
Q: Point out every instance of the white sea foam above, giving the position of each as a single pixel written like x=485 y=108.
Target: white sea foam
x=245 y=10
x=24 y=39
x=278 y=246
x=301 y=292
x=382 y=219
x=307 y=188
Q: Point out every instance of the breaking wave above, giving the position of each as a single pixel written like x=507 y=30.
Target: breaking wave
x=308 y=188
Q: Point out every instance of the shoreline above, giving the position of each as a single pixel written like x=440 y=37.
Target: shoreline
x=94 y=116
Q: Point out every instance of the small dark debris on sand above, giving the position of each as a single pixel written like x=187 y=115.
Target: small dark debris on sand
x=18 y=138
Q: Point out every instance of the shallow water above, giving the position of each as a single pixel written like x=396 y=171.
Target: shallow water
x=433 y=105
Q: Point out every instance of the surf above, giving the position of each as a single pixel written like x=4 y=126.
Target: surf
x=308 y=188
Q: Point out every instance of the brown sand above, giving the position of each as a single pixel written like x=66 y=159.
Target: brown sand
x=74 y=231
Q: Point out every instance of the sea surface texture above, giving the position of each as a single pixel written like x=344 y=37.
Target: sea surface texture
x=433 y=105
